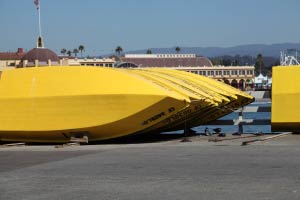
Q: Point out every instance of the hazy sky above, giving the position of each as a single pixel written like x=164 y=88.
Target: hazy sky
x=101 y=25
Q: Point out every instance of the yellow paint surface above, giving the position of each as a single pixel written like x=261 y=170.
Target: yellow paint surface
x=50 y=102
x=285 y=98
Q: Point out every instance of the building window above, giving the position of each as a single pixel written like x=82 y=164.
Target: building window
x=202 y=73
x=249 y=72
x=218 y=73
x=234 y=72
x=210 y=73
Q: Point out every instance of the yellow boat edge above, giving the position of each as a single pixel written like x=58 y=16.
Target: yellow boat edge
x=170 y=104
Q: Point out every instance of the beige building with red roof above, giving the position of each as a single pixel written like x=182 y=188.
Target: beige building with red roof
x=238 y=76
x=11 y=59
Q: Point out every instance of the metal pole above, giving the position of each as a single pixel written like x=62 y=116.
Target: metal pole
x=39 y=10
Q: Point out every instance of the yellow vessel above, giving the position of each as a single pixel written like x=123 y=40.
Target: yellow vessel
x=232 y=97
x=210 y=91
x=285 y=114
x=199 y=102
x=52 y=104
x=242 y=99
x=195 y=110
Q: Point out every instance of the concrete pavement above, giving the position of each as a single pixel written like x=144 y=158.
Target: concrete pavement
x=160 y=170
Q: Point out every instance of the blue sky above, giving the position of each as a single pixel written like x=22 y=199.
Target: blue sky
x=101 y=25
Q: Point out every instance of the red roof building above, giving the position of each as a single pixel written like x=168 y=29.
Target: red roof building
x=11 y=59
x=12 y=55
x=40 y=54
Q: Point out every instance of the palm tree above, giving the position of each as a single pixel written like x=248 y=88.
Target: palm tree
x=63 y=51
x=81 y=49
x=177 y=49
x=149 y=51
x=75 y=51
x=260 y=61
x=69 y=52
x=118 y=50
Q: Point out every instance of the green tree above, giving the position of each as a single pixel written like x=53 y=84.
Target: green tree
x=226 y=61
x=69 y=53
x=177 y=49
x=75 y=51
x=216 y=61
x=119 y=50
x=237 y=60
x=81 y=49
x=149 y=51
x=259 y=64
x=63 y=51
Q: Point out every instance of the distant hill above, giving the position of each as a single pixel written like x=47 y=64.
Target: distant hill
x=272 y=50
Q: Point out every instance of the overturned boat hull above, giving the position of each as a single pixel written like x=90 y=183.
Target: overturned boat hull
x=53 y=104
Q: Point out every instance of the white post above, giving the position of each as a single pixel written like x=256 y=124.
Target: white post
x=39 y=10
x=40 y=43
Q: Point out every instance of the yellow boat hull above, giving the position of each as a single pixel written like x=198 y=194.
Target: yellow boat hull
x=224 y=99
x=285 y=113
x=52 y=104
x=199 y=102
x=232 y=98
